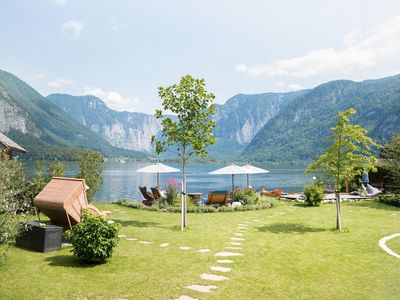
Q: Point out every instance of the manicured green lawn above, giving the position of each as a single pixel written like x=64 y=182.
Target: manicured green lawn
x=295 y=254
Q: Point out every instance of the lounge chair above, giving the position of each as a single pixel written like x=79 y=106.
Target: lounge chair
x=149 y=198
x=217 y=198
x=63 y=200
x=275 y=193
x=157 y=194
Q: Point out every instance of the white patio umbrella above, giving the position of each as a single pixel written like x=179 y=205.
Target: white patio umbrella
x=158 y=168
x=232 y=170
x=253 y=170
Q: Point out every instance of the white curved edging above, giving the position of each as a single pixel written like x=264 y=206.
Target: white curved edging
x=382 y=244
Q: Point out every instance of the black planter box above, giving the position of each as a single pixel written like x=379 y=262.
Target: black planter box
x=42 y=239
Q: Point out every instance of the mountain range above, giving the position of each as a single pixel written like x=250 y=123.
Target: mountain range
x=270 y=127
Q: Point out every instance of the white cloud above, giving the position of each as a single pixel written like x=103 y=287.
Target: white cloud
x=116 y=24
x=371 y=48
x=113 y=99
x=289 y=87
x=60 y=83
x=72 y=28
x=60 y=2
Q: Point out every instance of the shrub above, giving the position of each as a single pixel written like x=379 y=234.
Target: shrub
x=313 y=193
x=93 y=239
x=246 y=197
x=171 y=196
x=390 y=198
x=90 y=168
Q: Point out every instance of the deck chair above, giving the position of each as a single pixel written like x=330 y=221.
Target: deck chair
x=156 y=193
x=217 y=198
x=275 y=193
x=149 y=198
x=63 y=200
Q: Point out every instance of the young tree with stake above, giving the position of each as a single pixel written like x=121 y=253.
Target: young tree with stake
x=191 y=132
x=350 y=154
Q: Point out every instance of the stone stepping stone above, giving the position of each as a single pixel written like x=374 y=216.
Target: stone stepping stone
x=234 y=248
x=201 y=288
x=203 y=250
x=213 y=277
x=238 y=233
x=256 y=220
x=225 y=261
x=243 y=225
x=242 y=228
x=235 y=243
x=163 y=245
x=145 y=242
x=121 y=235
x=226 y=254
x=281 y=213
x=220 y=269
x=131 y=239
x=185 y=248
x=184 y=297
x=237 y=239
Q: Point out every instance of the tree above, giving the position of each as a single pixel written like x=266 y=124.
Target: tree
x=191 y=132
x=391 y=156
x=12 y=185
x=90 y=169
x=350 y=154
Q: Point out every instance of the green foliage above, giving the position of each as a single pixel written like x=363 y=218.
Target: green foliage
x=390 y=198
x=12 y=199
x=348 y=155
x=56 y=169
x=391 y=157
x=93 y=239
x=246 y=196
x=90 y=168
x=314 y=193
x=192 y=130
x=171 y=196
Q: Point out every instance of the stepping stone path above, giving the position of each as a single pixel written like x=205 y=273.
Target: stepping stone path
x=145 y=242
x=243 y=225
x=203 y=250
x=238 y=233
x=220 y=269
x=184 y=297
x=163 y=245
x=241 y=228
x=213 y=277
x=235 y=243
x=185 y=248
x=225 y=261
x=228 y=254
x=201 y=288
x=131 y=239
x=256 y=220
x=121 y=235
x=237 y=239
x=234 y=248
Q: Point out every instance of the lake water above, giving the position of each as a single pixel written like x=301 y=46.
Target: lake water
x=120 y=180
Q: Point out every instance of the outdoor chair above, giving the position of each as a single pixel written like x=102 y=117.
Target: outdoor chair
x=149 y=198
x=63 y=200
x=157 y=194
x=275 y=193
x=217 y=198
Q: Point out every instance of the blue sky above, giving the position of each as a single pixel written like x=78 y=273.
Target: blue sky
x=122 y=51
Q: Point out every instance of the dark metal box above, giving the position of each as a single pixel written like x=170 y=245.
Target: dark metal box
x=42 y=239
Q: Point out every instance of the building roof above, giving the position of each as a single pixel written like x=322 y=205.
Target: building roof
x=10 y=144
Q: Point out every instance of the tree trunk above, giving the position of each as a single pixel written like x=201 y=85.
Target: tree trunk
x=183 y=206
x=338 y=219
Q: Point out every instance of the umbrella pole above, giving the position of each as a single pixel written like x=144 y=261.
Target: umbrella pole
x=233 y=183
x=248 y=181
x=158 y=179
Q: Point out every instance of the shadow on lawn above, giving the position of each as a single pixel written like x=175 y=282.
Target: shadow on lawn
x=68 y=261
x=289 y=228
x=135 y=223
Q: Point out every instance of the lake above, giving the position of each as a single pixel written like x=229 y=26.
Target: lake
x=120 y=180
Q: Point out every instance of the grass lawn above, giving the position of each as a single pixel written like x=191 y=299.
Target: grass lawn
x=292 y=252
